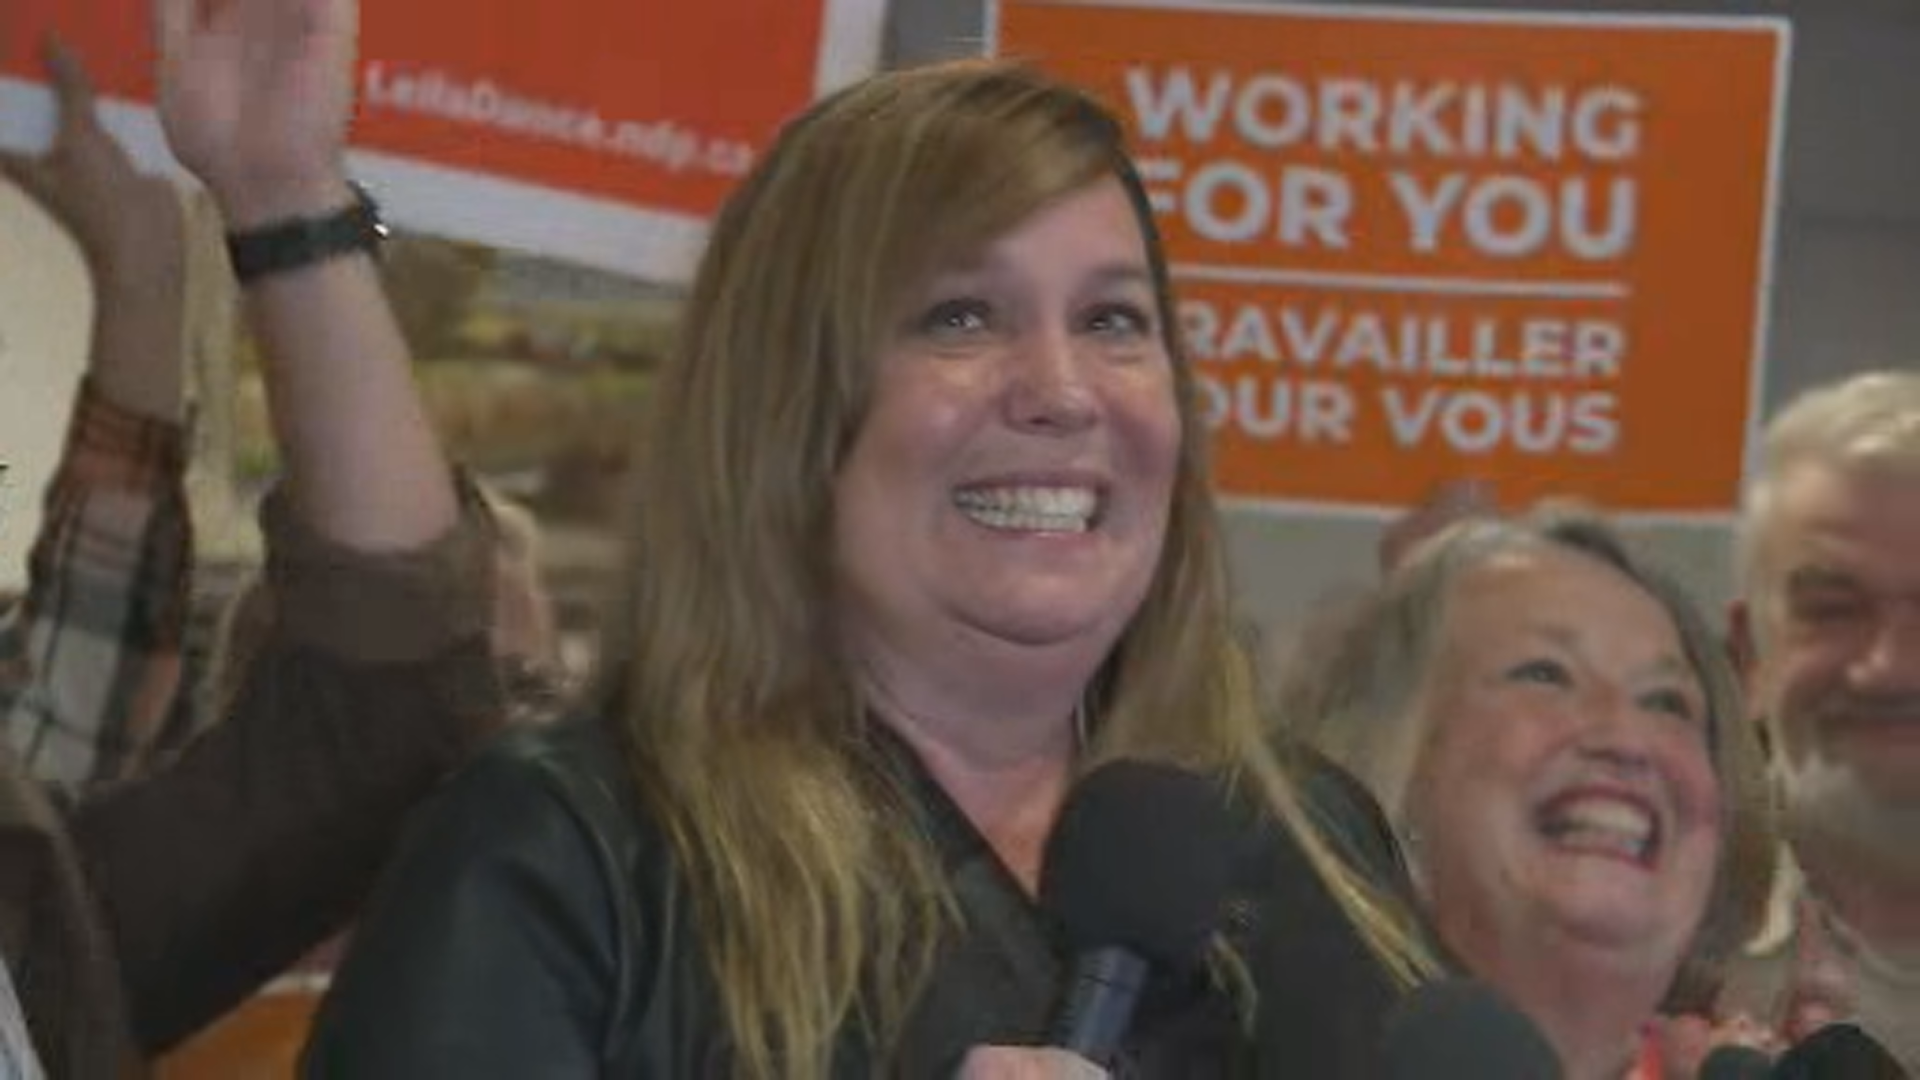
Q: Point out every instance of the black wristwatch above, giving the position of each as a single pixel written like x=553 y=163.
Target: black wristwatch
x=289 y=245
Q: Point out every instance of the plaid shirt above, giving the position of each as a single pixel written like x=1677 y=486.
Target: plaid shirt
x=90 y=658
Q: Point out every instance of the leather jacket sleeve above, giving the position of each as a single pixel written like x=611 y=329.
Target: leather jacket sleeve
x=491 y=948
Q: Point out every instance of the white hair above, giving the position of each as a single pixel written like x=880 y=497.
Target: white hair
x=1866 y=423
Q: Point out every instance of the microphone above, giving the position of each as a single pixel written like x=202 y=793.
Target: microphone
x=1735 y=1062
x=1838 y=1052
x=1136 y=875
x=1462 y=1028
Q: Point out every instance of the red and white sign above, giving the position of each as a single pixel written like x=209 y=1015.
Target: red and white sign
x=605 y=132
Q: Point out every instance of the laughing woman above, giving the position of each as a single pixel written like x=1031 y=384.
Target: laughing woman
x=1555 y=733
x=927 y=533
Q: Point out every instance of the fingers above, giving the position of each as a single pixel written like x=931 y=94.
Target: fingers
x=172 y=26
x=340 y=18
x=81 y=143
x=74 y=97
x=336 y=24
x=71 y=86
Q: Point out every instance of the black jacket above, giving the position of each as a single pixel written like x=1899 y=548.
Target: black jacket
x=536 y=925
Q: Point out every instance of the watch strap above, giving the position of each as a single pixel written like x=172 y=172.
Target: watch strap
x=288 y=245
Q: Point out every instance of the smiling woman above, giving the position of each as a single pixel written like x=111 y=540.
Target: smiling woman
x=926 y=534
x=1007 y=492
x=1555 y=731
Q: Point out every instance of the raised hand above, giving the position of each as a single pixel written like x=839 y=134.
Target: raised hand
x=132 y=228
x=128 y=223
x=256 y=96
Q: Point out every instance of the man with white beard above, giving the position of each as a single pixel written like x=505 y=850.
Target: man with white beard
x=1829 y=632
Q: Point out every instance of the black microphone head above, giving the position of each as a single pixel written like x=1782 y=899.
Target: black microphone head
x=1839 y=1051
x=1458 y=1027
x=1735 y=1062
x=1141 y=858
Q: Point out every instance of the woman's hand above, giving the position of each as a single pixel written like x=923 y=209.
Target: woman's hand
x=1026 y=1063
x=127 y=223
x=132 y=230
x=255 y=97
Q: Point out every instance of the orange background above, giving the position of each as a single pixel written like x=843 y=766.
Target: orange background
x=1693 y=313
x=730 y=69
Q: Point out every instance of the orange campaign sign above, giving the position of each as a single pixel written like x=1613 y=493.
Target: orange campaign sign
x=603 y=131
x=1413 y=246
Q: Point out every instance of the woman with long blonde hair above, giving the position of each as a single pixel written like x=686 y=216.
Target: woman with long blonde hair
x=924 y=534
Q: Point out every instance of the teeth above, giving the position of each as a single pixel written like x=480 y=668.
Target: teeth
x=1030 y=509
x=1602 y=824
